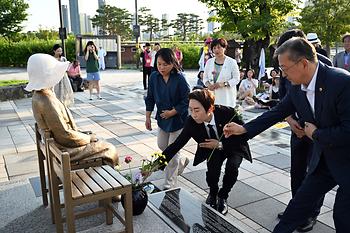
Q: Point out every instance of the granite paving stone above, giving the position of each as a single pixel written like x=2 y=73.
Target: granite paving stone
x=265 y=186
x=277 y=160
x=326 y=218
x=242 y=194
x=278 y=178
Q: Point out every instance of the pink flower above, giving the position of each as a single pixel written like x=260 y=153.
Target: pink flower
x=128 y=159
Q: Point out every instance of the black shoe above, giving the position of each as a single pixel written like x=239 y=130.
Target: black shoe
x=211 y=200
x=308 y=226
x=80 y=90
x=222 y=206
x=280 y=215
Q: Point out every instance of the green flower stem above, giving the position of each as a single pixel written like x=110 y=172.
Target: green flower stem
x=131 y=181
x=212 y=152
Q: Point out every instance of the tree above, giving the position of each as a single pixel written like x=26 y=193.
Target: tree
x=328 y=18
x=113 y=21
x=254 y=20
x=165 y=28
x=186 y=24
x=149 y=21
x=12 y=14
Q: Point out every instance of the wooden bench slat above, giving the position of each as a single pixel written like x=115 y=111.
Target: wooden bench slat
x=83 y=188
x=75 y=192
x=89 y=182
x=98 y=179
x=110 y=179
x=116 y=175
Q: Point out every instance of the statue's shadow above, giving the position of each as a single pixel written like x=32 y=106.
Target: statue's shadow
x=39 y=220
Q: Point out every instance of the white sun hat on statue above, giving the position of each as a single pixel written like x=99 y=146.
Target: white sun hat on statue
x=44 y=71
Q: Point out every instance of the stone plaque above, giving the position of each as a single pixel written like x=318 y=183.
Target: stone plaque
x=188 y=213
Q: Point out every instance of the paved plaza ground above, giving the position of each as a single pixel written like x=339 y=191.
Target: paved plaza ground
x=262 y=189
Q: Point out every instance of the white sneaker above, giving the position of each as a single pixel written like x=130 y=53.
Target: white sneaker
x=183 y=166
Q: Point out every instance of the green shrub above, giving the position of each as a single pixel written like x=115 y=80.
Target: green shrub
x=190 y=52
x=17 y=53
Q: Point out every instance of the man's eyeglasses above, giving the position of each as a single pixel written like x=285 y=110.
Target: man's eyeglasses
x=284 y=70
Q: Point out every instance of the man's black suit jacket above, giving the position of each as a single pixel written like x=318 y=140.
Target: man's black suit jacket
x=232 y=146
x=332 y=118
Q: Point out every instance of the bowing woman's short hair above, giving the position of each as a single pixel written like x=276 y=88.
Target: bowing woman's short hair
x=169 y=57
x=297 y=48
x=203 y=96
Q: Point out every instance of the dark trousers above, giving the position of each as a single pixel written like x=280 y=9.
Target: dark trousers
x=301 y=152
x=214 y=170
x=314 y=187
x=146 y=73
x=76 y=82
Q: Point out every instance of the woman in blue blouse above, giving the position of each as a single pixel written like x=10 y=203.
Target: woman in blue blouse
x=168 y=90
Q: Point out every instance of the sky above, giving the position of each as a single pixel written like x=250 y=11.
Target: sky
x=44 y=13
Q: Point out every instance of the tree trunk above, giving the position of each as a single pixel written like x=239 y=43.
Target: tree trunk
x=251 y=52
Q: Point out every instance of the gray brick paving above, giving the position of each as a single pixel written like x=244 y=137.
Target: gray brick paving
x=262 y=189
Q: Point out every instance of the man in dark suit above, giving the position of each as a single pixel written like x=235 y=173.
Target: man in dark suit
x=205 y=126
x=301 y=145
x=320 y=96
x=342 y=59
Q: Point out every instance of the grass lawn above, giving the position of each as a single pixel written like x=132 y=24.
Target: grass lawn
x=4 y=83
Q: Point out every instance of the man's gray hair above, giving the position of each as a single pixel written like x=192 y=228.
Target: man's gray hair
x=297 y=48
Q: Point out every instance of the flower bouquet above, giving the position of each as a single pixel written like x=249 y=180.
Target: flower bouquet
x=148 y=166
x=139 y=194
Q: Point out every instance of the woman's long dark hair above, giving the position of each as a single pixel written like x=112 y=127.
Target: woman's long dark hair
x=88 y=44
x=169 y=57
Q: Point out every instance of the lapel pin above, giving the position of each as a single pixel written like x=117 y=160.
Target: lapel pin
x=220 y=125
x=320 y=89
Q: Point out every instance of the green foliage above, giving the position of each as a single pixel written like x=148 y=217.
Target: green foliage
x=17 y=53
x=253 y=19
x=187 y=24
x=12 y=14
x=4 y=83
x=148 y=20
x=190 y=52
x=330 y=19
x=113 y=21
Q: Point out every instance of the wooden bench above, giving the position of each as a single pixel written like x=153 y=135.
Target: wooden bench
x=42 y=148
x=94 y=184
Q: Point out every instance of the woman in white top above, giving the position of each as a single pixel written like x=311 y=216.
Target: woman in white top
x=221 y=74
x=248 y=86
x=63 y=89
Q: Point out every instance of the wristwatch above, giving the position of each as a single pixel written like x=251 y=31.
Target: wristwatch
x=226 y=84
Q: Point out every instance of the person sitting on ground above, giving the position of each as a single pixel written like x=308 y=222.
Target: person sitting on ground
x=205 y=126
x=247 y=89
x=44 y=72
x=272 y=95
x=74 y=75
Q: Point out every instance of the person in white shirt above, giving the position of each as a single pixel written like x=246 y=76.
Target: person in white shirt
x=154 y=52
x=101 y=58
x=221 y=74
x=248 y=86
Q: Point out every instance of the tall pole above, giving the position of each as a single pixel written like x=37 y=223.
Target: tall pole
x=136 y=23
x=62 y=30
x=137 y=33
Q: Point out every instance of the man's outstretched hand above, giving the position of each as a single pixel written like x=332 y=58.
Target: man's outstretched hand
x=233 y=129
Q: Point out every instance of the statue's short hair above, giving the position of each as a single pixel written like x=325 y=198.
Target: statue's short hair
x=297 y=48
